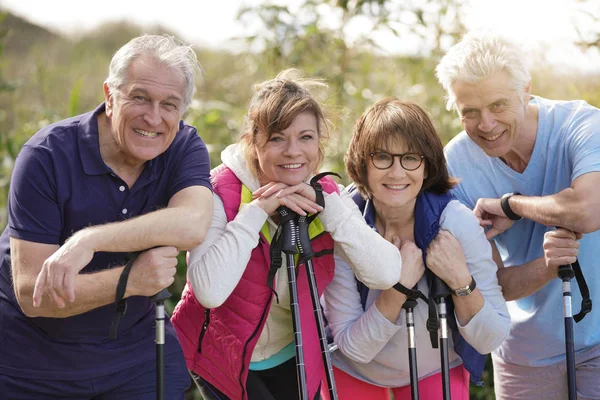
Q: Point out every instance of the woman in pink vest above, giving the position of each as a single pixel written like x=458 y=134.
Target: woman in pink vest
x=234 y=320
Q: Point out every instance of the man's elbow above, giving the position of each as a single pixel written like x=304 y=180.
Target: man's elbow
x=194 y=232
x=588 y=223
x=580 y=218
x=190 y=239
x=25 y=302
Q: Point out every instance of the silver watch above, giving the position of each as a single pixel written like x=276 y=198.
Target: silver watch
x=465 y=290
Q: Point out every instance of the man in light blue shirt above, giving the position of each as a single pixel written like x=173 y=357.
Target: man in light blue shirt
x=543 y=156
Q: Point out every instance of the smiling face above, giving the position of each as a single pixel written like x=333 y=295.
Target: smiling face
x=395 y=187
x=491 y=112
x=145 y=112
x=292 y=155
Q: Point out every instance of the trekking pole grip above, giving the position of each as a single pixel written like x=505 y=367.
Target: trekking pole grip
x=288 y=226
x=161 y=296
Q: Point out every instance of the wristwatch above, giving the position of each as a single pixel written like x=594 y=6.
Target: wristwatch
x=465 y=290
x=506 y=207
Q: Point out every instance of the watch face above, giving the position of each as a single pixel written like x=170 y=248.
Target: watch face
x=464 y=291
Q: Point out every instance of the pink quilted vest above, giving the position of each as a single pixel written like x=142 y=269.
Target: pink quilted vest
x=218 y=343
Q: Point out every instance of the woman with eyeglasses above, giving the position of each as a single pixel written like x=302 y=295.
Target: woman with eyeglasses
x=402 y=186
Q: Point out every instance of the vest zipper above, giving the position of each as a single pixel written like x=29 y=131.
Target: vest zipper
x=262 y=317
x=204 y=328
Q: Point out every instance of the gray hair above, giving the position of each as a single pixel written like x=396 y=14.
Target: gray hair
x=479 y=56
x=165 y=49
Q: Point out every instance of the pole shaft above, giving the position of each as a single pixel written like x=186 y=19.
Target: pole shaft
x=314 y=294
x=412 y=354
x=160 y=350
x=300 y=368
x=569 y=341
x=444 y=349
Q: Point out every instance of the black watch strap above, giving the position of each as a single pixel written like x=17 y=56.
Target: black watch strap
x=466 y=290
x=506 y=207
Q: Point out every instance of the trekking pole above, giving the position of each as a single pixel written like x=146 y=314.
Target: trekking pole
x=566 y=273
x=439 y=292
x=306 y=254
x=289 y=248
x=159 y=300
x=409 y=306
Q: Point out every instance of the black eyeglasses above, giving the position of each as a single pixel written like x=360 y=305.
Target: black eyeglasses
x=408 y=161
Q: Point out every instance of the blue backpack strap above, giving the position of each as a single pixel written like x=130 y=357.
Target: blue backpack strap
x=428 y=210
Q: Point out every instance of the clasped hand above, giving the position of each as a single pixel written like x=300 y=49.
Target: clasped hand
x=560 y=248
x=299 y=198
x=151 y=272
x=446 y=259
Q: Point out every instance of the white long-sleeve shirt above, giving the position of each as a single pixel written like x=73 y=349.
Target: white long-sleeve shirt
x=374 y=349
x=216 y=266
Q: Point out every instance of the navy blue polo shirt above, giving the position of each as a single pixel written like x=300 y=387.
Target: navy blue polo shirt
x=60 y=184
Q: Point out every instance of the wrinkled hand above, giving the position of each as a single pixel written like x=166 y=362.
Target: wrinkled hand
x=490 y=215
x=560 y=248
x=446 y=259
x=412 y=262
x=152 y=271
x=57 y=277
x=298 y=198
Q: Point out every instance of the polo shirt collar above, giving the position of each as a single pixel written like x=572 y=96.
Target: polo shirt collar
x=89 y=144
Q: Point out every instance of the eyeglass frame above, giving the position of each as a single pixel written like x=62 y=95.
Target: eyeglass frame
x=400 y=156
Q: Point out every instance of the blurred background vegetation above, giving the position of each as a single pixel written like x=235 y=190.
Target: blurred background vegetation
x=46 y=77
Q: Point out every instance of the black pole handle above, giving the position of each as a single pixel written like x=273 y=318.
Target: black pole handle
x=304 y=245
x=161 y=296
x=439 y=288
x=288 y=226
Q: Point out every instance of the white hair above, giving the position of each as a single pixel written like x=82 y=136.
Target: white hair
x=165 y=49
x=479 y=56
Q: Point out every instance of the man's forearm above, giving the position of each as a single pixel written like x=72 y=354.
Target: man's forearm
x=561 y=209
x=523 y=280
x=91 y=291
x=181 y=227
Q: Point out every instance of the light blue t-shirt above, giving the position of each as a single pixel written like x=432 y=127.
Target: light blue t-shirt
x=567 y=146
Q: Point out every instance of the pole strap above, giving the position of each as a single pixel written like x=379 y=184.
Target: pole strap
x=320 y=199
x=586 y=302
x=412 y=295
x=120 y=302
x=276 y=249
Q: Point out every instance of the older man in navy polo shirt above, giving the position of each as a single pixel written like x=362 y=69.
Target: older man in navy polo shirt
x=128 y=176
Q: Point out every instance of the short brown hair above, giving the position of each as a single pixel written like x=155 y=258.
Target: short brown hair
x=273 y=108
x=390 y=119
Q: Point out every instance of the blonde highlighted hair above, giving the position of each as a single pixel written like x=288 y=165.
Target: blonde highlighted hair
x=273 y=108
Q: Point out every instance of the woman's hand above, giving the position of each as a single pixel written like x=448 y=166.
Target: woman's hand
x=446 y=259
x=412 y=262
x=298 y=198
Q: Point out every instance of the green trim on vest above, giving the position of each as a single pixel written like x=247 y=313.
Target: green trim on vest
x=246 y=198
x=315 y=229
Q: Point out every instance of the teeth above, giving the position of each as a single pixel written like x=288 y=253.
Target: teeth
x=492 y=138
x=146 y=133
x=291 y=166
x=396 y=187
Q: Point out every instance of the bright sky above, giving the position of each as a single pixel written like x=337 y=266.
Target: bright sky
x=536 y=23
